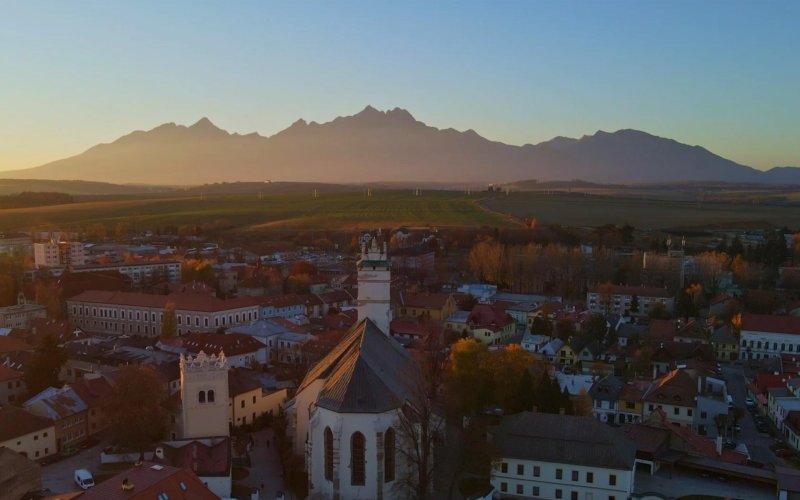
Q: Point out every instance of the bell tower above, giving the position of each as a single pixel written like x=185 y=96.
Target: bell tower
x=374 y=279
x=204 y=395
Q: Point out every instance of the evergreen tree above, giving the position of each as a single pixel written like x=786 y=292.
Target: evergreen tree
x=45 y=365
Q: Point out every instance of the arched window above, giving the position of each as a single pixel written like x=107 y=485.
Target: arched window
x=201 y=396
x=211 y=396
x=357 y=459
x=328 y=454
x=388 y=454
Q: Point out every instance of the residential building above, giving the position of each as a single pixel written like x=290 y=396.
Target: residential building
x=618 y=299
x=148 y=481
x=605 y=394
x=490 y=324
x=726 y=345
x=210 y=458
x=140 y=272
x=21 y=315
x=284 y=306
x=68 y=412
x=250 y=399
x=59 y=254
x=534 y=343
x=417 y=258
x=26 y=433
x=435 y=306
x=767 y=336
x=457 y=322
x=131 y=313
x=12 y=385
x=561 y=457
x=93 y=389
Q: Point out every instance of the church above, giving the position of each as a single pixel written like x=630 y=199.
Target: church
x=345 y=416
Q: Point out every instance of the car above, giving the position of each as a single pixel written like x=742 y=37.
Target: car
x=83 y=478
x=50 y=459
x=69 y=451
x=785 y=453
x=729 y=445
x=749 y=402
x=737 y=428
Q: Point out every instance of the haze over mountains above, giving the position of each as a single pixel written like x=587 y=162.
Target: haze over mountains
x=379 y=146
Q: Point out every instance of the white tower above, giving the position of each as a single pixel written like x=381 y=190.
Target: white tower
x=374 y=279
x=204 y=396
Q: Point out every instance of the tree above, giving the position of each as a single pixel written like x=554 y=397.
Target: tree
x=169 y=322
x=583 y=403
x=505 y=366
x=542 y=326
x=658 y=311
x=467 y=302
x=635 y=304
x=45 y=364
x=134 y=408
x=524 y=396
x=468 y=381
x=8 y=290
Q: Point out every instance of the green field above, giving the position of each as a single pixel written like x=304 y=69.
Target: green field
x=249 y=212
x=581 y=210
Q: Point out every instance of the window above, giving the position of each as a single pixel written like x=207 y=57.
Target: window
x=503 y=486
x=590 y=477
x=504 y=467
x=519 y=489
x=35 y=437
x=389 y=455
x=520 y=469
x=357 y=453
x=630 y=405
x=574 y=475
x=254 y=400
x=242 y=404
x=535 y=491
x=211 y=396
x=703 y=414
x=573 y=495
x=201 y=396
x=536 y=471
x=559 y=473
x=328 y=454
x=612 y=479
x=558 y=493
x=689 y=412
x=676 y=411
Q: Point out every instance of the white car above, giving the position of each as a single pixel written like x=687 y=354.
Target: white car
x=84 y=479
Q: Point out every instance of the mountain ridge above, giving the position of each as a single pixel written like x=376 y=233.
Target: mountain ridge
x=391 y=145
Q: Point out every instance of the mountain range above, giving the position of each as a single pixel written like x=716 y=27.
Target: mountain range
x=381 y=146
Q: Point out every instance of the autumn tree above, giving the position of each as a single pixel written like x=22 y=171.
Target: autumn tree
x=583 y=403
x=468 y=380
x=44 y=365
x=134 y=410
x=169 y=322
x=506 y=366
x=8 y=290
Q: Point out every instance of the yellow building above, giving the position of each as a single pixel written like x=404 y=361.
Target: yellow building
x=435 y=306
x=28 y=434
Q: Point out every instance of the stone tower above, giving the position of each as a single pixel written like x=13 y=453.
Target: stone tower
x=204 y=395
x=374 y=279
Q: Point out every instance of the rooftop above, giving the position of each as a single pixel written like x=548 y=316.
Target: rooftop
x=148 y=481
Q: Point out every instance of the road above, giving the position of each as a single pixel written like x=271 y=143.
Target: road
x=58 y=476
x=265 y=467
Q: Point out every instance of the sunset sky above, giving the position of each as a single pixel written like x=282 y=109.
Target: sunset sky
x=721 y=74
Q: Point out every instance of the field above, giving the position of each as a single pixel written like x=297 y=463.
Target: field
x=587 y=210
x=251 y=213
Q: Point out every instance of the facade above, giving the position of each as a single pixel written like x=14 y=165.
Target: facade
x=204 y=396
x=12 y=385
x=59 y=254
x=726 y=346
x=249 y=399
x=766 y=336
x=131 y=313
x=490 y=324
x=435 y=306
x=374 y=278
x=605 y=399
x=67 y=411
x=241 y=350
x=618 y=299
x=561 y=457
x=26 y=433
x=21 y=315
x=140 y=273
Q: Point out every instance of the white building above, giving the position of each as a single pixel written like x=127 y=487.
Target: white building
x=767 y=336
x=617 y=299
x=21 y=315
x=561 y=457
x=345 y=417
x=59 y=254
x=154 y=271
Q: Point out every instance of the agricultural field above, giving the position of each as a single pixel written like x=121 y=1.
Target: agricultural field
x=578 y=209
x=254 y=213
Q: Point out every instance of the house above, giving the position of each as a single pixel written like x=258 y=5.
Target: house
x=630 y=333
x=668 y=355
x=19 y=474
x=12 y=385
x=66 y=409
x=241 y=350
x=605 y=394
x=630 y=401
x=566 y=355
x=765 y=336
x=93 y=389
x=21 y=315
x=150 y=480
x=561 y=456
x=63 y=331
x=31 y=435
x=524 y=313
x=418 y=258
x=209 y=458
x=551 y=349
x=249 y=399
x=534 y=343
x=726 y=345
x=618 y=299
x=284 y=306
x=490 y=324
x=457 y=322
x=435 y=306
x=691 y=332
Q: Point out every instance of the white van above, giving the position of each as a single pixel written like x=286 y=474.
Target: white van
x=84 y=479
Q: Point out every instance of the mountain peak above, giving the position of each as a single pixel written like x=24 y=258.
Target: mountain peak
x=204 y=123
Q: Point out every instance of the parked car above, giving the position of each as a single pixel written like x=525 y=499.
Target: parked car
x=69 y=451
x=83 y=478
x=748 y=401
x=729 y=445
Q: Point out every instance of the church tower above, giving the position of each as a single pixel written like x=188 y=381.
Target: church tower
x=374 y=279
x=204 y=395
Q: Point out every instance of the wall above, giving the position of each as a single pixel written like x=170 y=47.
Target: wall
x=34 y=445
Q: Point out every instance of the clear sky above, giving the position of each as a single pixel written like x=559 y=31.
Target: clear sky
x=719 y=73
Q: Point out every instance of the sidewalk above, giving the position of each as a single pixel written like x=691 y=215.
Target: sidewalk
x=266 y=467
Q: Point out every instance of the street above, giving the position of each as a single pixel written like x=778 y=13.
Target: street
x=58 y=476
x=266 y=467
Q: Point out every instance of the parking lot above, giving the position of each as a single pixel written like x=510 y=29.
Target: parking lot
x=58 y=476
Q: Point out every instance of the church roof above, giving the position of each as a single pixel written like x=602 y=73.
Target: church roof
x=368 y=372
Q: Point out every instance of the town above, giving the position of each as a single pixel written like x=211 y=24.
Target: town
x=401 y=363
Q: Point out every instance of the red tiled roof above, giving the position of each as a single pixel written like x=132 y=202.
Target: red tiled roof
x=424 y=300
x=7 y=373
x=182 y=301
x=208 y=457
x=63 y=330
x=10 y=344
x=286 y=300
x=486 y=316
x=415 y=328
x=92 y=390
x=764 y=381
x=771 y=323
x=640 y=291
x=148 y=481
x=231 y=344
x=675 y=388
x=15 y=422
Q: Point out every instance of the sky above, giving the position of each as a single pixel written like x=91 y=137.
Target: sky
x=721 y=74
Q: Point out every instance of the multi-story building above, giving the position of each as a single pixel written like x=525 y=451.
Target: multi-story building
x=767 y=336
x=140 y=273
x=726 y=346
x=67 y=411
x=617 y=299
x=59 y=254
x=435 y=306
x=26 y=433
x=134 y=313
x=12 y=385
x=561 y=457
x=490 y=324
x=605 y=399
x=21 y=315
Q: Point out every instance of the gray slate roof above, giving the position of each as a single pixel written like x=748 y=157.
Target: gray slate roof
x=564 y=439
x=607 y=389
x=368 y=372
